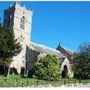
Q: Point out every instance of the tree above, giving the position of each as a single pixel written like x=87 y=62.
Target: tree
x=47 y=68
x=9 y=47
x=81 y=62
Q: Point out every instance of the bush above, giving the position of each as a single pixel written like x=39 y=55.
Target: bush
x=81 y=62
x=47 y=68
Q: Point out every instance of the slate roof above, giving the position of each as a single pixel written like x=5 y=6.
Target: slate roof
x=60 y=47
x=44 y=49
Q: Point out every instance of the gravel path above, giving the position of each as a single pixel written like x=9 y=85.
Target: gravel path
x=77 y=85
x=67 y=85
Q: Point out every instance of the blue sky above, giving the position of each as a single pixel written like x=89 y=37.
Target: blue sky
x=54 y=22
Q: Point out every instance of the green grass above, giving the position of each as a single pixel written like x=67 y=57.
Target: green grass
x=17 y=81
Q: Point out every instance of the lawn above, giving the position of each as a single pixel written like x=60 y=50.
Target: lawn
x=17 y=81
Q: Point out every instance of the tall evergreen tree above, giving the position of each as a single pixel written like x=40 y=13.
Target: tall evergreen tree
x=9 y=46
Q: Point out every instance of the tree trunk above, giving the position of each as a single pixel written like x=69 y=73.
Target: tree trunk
x=8 y=73
x=5 y=71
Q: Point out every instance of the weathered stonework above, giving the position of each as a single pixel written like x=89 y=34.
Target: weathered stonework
x=19 y=19
x=31 y=58
x=67 y=63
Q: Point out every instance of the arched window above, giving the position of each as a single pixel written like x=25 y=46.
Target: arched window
x=22 y=23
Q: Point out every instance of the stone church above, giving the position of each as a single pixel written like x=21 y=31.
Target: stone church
x=19 y=19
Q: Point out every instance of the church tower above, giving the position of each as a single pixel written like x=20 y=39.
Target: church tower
x=19 y=20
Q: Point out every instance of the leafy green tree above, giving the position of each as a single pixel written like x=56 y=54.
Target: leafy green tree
x=81 y=62
x=48 y=68
x=9 y=46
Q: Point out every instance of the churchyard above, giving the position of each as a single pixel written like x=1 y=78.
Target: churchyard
x=47 y=66
x=18 y=81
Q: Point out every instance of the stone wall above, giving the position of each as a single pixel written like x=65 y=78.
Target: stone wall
x=31 y=58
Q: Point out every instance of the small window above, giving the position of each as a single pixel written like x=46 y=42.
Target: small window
x=22 y=23
x=21 y=38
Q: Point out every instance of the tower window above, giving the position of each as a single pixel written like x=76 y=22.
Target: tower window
x=21 y=38
x=22 y=23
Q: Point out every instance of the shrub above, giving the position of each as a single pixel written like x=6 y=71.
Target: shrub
x=47 y=68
